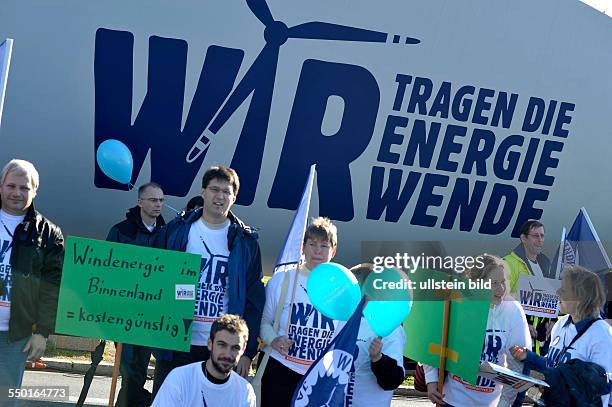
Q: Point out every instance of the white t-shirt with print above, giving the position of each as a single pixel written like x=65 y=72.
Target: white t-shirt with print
x=211 y=295
x=8 y=224
x=186 y=386
x=595 y=345
x=309 y=329
x=365 y=389
x=506 y=326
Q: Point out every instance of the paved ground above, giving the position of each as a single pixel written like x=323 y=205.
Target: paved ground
x=100 y=389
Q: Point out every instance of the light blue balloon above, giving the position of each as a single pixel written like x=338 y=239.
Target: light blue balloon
x=385 y=316
x=115 y=161
x=389 y=300
x=333 y=290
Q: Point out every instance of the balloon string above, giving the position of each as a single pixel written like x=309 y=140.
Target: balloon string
x=174 y=209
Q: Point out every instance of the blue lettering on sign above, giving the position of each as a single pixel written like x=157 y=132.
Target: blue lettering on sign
x=429 y=158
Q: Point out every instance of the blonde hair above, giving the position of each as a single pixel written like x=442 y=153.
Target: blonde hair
x=322 y=228
x=586 y=289
x=489 y=263
x=21 y=167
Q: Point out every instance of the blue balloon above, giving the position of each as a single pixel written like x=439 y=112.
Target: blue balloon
x=115 y=161
x=333 y=290
x=385 y=316
x=388 y=304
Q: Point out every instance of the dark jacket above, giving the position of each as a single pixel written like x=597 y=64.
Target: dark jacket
x=36 y=272
x=389 y=375
x=575 y=384
x=133 y=231
x=245 y=288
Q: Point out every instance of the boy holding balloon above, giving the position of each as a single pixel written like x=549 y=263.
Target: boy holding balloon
x=303 y=332
x=379 y=364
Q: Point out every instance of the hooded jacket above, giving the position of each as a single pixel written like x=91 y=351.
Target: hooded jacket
x=576 y=384
x=133 y=231
x=519 y=265
x=36 y=273
x=245 y=275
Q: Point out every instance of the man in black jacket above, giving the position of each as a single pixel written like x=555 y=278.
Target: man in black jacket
x=140 y=226
x=31 y=257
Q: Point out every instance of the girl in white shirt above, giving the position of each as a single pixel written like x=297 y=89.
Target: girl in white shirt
x=506 y=325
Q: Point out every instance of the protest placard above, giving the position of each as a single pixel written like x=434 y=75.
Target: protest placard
x=538 y=296
x=517 y=381
x=126 y=293
x=467 y=324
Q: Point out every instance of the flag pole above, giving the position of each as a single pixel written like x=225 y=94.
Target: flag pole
x=445 y=320
x=305 y=204
x=111 y=398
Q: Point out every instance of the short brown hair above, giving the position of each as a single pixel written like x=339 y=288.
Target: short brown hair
x=222 y=173
x=586 y=289
x=148 y=185
x=231 y=323
x=529 y=225
x=323 y=229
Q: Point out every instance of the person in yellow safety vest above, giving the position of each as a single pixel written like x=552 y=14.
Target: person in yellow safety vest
x=527 y=259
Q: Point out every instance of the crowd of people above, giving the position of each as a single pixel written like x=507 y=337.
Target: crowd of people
x=279 y=318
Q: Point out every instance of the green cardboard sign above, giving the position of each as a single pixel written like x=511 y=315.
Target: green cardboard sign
x=127 y=293
x=469 y=311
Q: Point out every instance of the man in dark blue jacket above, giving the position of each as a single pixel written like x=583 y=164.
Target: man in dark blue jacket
x=140 y=227
x=231 y=276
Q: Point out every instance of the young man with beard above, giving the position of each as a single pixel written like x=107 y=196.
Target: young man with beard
x=212 y=383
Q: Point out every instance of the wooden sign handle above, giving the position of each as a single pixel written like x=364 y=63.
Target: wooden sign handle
x=111 y=398
x=442 y=369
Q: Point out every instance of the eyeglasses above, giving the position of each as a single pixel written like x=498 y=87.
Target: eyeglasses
x=153 y=200
x=216 y=190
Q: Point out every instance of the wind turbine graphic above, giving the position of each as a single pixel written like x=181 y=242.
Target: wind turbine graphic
x=259 y=79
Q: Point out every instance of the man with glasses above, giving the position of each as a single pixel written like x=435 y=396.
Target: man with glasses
x=141 y=224
x=527 y=259
x=231 y=275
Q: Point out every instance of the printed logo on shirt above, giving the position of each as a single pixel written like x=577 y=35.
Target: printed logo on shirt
x=311 y=331
x=555 y=357
x=491 y=347
x=5 y=273
x=4 y=248
x=212 y=286
x=490 y=353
